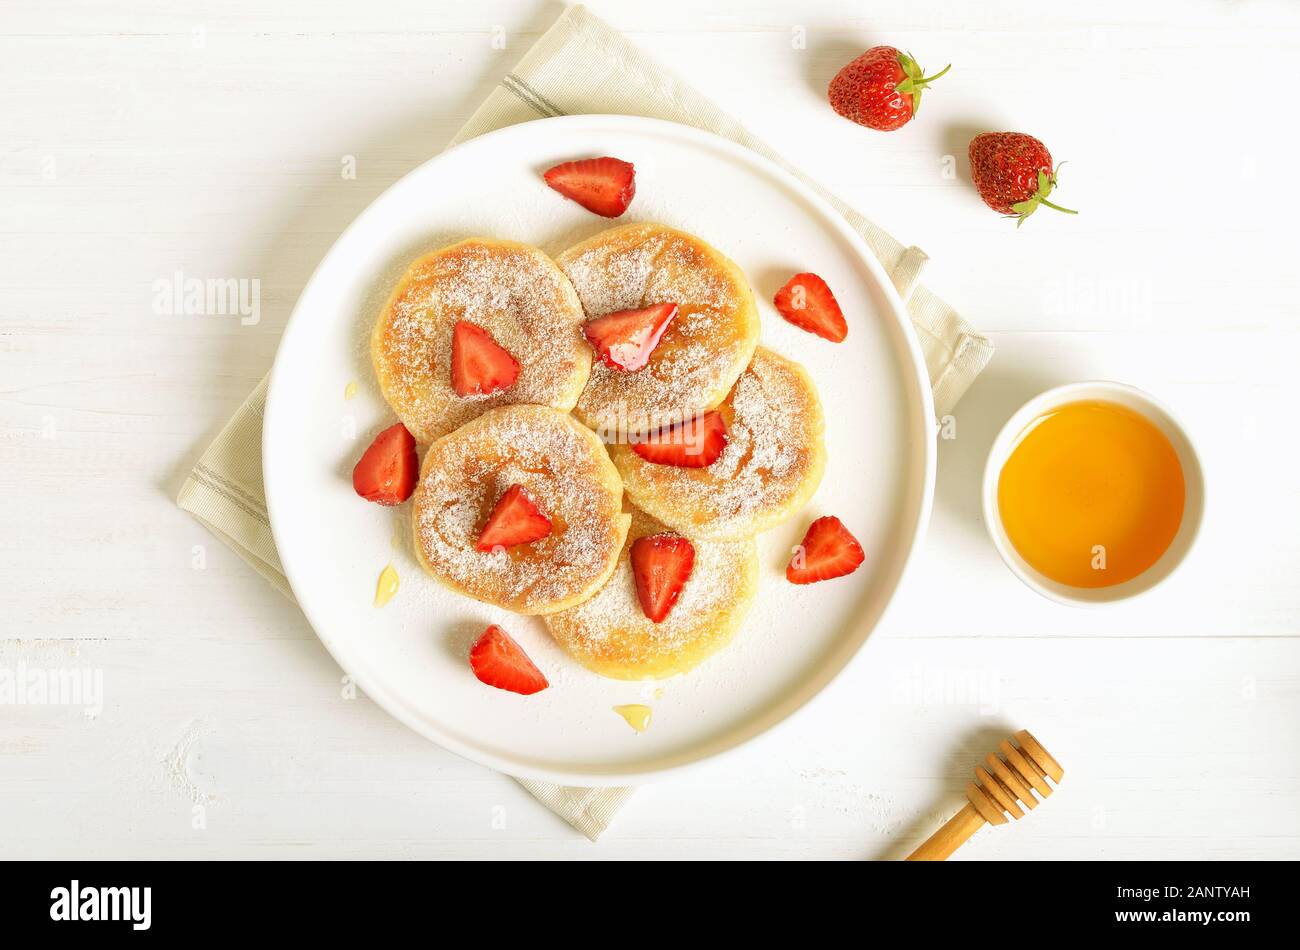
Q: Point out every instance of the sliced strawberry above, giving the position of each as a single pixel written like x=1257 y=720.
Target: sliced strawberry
x=808 y=303
x=625 y=339
x=827 y=550
x=498 y=661
x=695 y=443
x=388 y=470
x=603 y=185
x=514 y=520
x=479 y=365
x=661 y=565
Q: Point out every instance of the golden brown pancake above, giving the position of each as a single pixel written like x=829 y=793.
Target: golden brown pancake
x=611 y=635
x=514 y=292
x=705 y=348
x=565 y=471
x=771 y=466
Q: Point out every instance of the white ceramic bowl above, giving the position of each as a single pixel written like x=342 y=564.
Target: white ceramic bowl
x=1164 y=420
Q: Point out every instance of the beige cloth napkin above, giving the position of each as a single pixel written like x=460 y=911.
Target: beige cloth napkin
x=579 y=66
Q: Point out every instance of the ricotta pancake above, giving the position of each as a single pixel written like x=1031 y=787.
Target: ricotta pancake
x=512 y=292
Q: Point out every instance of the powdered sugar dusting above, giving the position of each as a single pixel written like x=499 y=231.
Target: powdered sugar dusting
x=772 y=460
x=566 y=473
x=705 y=347
x=611 y=633
x=511 y=290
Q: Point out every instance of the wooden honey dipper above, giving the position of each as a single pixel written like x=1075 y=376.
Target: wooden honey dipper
x=995 y=793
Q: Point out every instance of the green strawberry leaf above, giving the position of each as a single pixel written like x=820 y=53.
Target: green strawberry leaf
x=1024 y=209
x=1051 y=183
x=916 y=80
x=1046 y=182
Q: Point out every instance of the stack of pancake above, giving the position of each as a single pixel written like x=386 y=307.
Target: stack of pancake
x=565 y=431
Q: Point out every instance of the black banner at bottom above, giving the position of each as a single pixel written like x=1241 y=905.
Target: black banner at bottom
x=1176 y=900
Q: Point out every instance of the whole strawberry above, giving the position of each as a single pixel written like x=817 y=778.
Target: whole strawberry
x=881 y=89
x=1013 y=173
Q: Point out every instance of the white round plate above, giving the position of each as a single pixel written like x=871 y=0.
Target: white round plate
x=410 y=656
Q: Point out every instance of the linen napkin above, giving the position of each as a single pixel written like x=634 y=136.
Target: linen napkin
x=579 y=66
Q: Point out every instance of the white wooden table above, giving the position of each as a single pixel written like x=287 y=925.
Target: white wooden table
x=138 y=139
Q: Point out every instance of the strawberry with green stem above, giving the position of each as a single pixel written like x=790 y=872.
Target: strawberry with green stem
x=881 y=89
x=1013 y=173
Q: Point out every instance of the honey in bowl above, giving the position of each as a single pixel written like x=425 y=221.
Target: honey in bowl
x=1092 y=494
